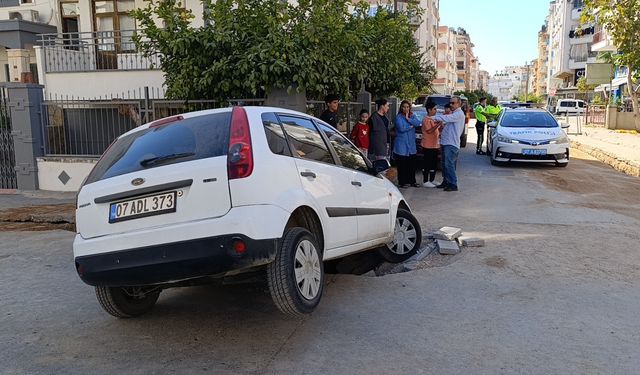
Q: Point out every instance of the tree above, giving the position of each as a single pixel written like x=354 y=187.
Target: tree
x=583 y=87
x=248 y=47
x=474 y=96
x=621 y=18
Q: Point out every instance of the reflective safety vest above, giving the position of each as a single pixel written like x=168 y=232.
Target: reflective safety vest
x=479 y=111
x=493 y=111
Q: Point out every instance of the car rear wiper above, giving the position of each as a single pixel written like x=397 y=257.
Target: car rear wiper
x=161 y=159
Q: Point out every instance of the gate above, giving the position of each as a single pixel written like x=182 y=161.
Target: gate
x=7 y=156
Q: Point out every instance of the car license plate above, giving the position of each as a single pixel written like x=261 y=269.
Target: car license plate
x=534 y=151
x=157 y=204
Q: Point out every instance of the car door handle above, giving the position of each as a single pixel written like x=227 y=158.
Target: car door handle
x=356 y=183
x=308 y=174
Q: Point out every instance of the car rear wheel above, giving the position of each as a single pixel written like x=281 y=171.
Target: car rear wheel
x=407 y=237
x=296 y=276
x=127 y=302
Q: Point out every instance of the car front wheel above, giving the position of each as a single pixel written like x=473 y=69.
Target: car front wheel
x=296 y=276
x=407 y=237
x=127 y=302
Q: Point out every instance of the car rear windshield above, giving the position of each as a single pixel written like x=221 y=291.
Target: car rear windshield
x=184 y=140
x=523 y=119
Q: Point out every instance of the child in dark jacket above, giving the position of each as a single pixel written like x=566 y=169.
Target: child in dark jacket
x=360 y=132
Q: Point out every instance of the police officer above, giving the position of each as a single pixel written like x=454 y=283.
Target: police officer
x=481 y=120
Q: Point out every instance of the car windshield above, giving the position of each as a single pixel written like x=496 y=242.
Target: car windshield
x=522 y=119
x=440 y=101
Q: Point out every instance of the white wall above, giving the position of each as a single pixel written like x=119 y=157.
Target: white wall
x=49 y=170
x=101 y=84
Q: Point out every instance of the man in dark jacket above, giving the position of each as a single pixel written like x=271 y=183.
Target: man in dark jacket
x=330 y=115
x=379 y=131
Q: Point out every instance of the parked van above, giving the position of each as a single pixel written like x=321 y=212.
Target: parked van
x=570 y=106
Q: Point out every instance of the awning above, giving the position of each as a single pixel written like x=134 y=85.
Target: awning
x=617 y=82
x=17 y=34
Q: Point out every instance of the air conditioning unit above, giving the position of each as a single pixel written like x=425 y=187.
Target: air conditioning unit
x=24 y=15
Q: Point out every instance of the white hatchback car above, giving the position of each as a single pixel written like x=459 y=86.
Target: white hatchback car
x=529 y=135
x=220 y=192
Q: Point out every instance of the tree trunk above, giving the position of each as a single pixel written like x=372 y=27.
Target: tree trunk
x=634 y=98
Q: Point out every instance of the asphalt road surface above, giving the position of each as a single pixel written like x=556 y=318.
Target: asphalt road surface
x=555 y=290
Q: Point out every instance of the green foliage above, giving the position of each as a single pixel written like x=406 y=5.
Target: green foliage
x=249 y=46
x=582 y=85
x=621 y=19
x=475 y=95
x=531 y=98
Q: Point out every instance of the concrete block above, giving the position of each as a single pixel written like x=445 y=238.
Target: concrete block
x=448 y=247
x=448 y=233
x=471 y=241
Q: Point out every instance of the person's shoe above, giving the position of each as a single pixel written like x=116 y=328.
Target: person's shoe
x=405 y=186
x=417 y=185
x=480 y=152
x=429 y=184
x=451 y=188
x=441 y=186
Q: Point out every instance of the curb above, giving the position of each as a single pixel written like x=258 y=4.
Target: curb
x=616 y=162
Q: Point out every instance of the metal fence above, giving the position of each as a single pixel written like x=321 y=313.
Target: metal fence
x=93 y=51
x=596 y=115
x=85 y=128
x=7 y=155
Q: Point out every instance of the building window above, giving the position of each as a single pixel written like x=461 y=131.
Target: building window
x=578 y=4
x=112 y=22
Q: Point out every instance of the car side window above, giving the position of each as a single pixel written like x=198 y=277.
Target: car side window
x=349 y=156
x=305 y=139
x=275 y=134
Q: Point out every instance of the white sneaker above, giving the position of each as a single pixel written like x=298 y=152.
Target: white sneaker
x=428 y=184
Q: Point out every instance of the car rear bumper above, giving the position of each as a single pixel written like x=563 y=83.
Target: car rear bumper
x=171 y=262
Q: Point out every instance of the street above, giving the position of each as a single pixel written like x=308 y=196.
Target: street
x=556 y=289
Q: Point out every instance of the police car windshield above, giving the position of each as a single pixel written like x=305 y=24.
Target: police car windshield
x=525 y=119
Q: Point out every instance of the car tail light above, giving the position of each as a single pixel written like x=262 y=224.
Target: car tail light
x=240 y=157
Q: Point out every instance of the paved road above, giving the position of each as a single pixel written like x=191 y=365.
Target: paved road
x=556 y=290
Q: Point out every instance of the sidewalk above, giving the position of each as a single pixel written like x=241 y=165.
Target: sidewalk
x=618 y=149
x=36 y=211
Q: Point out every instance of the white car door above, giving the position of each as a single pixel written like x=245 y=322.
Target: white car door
x=372 y=197
x=329 y=185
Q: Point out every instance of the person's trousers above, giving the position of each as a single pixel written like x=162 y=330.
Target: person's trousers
x=406 y=169
x=449 y=162
x=480 y=131
x=429 y=164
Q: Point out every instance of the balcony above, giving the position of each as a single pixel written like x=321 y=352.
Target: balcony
x=602 y=42
x=93 y=51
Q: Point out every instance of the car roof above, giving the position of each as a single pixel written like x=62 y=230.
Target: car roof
x=526 y=110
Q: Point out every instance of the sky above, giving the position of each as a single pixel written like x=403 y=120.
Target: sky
x=504 y=32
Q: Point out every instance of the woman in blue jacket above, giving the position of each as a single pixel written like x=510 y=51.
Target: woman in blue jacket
x=404 y=146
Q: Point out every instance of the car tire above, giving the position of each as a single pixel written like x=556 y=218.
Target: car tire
x=494 y=162
x=406 y=227
x=463 y=140
x=122 y=303
x=562 y=165
x=296 y=293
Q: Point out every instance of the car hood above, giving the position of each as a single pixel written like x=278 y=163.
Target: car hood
x=531 y=134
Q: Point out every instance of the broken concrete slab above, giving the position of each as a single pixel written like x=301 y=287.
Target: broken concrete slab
x=448 y=247
x=448 y=233
x=471 y=241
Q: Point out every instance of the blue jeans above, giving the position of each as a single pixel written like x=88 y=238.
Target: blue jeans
x=449 y=162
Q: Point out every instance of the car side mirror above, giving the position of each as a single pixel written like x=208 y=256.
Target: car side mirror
x=492 y=124
x=380 y=166
x=564 y=125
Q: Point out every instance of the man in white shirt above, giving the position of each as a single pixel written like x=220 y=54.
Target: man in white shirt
x=453 y=127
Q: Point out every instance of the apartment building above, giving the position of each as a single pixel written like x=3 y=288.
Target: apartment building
x=20 y=23
x=483 y=80
x=542 y=63
x=445 y=82
x=511 y=82
x=569 y=45
x=464 y=60
x=426 y=26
